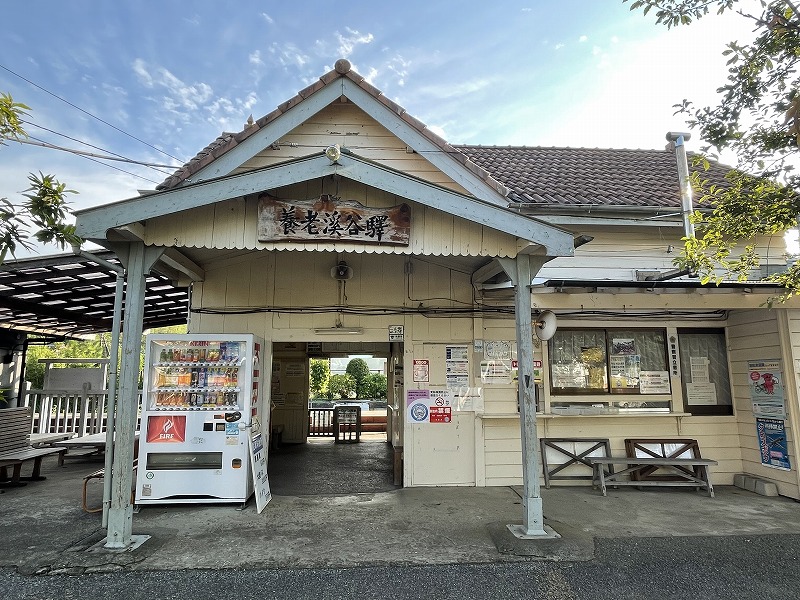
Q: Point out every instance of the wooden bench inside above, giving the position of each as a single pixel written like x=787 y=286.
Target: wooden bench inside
x=15 y=447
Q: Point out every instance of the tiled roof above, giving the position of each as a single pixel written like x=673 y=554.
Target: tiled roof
x=533 y=175
x=587 y=176
x=342 y=69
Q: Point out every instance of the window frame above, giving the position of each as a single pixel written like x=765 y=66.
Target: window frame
x=608 y=391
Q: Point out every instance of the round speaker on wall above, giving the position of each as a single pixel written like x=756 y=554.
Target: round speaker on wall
x=545 y=325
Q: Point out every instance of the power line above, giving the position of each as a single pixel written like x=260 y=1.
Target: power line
x=109 y=154
x=90 y=114
x=83 y=153
x=42 y=142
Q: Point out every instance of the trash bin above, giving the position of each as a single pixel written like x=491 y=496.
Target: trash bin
x=347 y=424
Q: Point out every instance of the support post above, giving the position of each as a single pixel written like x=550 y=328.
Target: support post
x=120 y=513
x=521 y=271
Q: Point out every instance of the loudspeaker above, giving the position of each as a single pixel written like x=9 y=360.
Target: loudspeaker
x=545 y=325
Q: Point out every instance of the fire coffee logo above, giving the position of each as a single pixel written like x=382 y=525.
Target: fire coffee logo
x=166 y=429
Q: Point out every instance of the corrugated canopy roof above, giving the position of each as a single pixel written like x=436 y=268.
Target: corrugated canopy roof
x=67 y=295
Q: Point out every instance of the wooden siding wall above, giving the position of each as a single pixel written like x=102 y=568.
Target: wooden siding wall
x=617 y=254
x=756 y=335
x=233 y=224
x=347 y=125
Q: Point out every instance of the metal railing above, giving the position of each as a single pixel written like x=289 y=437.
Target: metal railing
x=63 y=411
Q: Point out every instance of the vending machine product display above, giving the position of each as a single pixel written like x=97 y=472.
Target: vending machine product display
x=202 y=396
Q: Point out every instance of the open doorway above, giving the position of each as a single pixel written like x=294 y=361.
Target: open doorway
x=332 y=408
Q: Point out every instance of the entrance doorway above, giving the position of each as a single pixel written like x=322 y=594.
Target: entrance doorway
x=310 y=382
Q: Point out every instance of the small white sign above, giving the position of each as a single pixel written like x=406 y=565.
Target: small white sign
x=396 y=333
x=422 y=368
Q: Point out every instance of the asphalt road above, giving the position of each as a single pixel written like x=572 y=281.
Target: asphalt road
x=731 y=567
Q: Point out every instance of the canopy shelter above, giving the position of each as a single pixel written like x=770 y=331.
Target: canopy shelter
x=68 y=296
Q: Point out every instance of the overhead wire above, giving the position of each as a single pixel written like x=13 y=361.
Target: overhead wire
x=110 y=155
x=86 y=112
x=99 y=162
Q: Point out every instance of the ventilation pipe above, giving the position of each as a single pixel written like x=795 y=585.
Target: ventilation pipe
x=678 y=140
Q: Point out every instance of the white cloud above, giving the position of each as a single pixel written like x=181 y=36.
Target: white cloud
x=559 y=46
x=344 y=43
x=255 y=58
x=288 y=54
x=614 y=39
x=179 y=94
x=142 y=74
x=267 y=18
x=596 y=50
x=583 y=38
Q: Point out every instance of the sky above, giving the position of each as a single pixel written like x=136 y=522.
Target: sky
x=157 y=81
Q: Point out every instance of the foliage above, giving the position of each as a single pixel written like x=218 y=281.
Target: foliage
x=358 y=369
x=757 y=119
x=320 y=373
x=341 y=387
x=45 y=204
x=97 y=347
x=375 y=386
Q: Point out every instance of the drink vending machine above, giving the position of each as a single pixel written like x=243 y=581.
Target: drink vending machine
x=202 y=399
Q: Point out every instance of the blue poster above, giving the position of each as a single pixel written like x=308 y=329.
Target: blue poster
x=772 y=443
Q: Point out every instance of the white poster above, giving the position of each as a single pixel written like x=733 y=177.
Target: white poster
x=258 y=456
x=654 y=382
x=701 y=393
x=699 y=367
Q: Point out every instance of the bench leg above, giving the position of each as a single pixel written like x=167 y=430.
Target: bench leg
x=15 y=480
x=601 y=477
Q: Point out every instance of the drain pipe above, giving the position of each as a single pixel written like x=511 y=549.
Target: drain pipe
x=111 y=406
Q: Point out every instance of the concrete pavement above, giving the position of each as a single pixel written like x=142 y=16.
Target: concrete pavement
x=44 y=530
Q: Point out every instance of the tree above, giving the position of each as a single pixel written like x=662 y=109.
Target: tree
x=341 y=386
x=758 y=119
x=375 y=386
x=320 y=374
x=45 y=206
x=93 y=348
x=358 y=369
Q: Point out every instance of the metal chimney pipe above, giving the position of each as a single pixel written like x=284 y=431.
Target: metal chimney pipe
x=678 y=139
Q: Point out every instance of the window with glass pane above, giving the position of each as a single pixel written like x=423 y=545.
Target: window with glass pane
x=637 y=361
x=704 y=372
x=578 y=361
x=620 y=361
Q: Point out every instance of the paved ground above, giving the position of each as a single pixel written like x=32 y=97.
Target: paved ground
x=402 y=543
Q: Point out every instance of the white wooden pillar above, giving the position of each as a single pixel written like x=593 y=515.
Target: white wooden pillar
x=120 y=515
x=521 y=271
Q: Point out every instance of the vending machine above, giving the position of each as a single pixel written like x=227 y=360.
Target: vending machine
x=202 y=396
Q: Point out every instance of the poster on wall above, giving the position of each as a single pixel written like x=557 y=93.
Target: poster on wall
x=429 y=406
x=772 y=443
x=766 y=388
x=457 y=366
x=422 y=369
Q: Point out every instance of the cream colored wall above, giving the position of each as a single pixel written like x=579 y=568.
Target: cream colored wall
x=289 y=391
x=347 y=125
x=233 y=225
x=756 y=335
x=482 y=450
x=616 y=253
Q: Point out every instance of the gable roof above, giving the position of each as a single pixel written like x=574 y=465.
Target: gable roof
x=587 y=176
x=342 y=72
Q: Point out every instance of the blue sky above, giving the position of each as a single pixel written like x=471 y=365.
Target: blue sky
x=175 y=74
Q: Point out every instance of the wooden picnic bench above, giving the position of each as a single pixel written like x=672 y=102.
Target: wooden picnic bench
x=655 y=462
x=15 y=447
